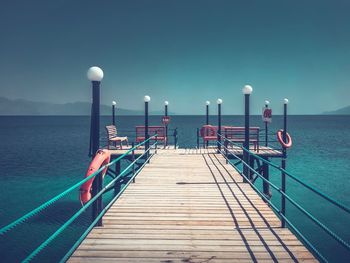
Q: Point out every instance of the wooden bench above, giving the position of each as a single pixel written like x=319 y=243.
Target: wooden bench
x=236 y=134
x=113 y=138
x=152 y=130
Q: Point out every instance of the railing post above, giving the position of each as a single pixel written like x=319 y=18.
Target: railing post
x=156 y=142
x=251 y=164
x=175 y=138
x=266 y=175
x=197 y=138
x=133 y=159
x=284 y=159
x=226 y=146
x=117 y=184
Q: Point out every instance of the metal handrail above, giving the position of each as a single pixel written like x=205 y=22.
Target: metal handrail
x=45 y=205
x=316 y=191
x=279 y=212
x=35 y=211
x=81 y=210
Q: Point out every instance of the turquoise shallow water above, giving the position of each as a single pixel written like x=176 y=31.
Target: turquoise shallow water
x=41 y=156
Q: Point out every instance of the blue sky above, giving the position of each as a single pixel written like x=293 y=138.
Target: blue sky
x=184 y=51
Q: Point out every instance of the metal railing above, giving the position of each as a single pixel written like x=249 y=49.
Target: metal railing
x=281 y=213
x=131 y=166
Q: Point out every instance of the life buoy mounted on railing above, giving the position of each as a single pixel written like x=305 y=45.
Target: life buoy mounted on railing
x=101 y=158
x=284 y=144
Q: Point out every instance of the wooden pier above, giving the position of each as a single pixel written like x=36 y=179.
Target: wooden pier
x=190 y=206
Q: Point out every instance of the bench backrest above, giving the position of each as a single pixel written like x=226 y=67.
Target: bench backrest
x=159 y=130
x=238 y=132
x=111 y=131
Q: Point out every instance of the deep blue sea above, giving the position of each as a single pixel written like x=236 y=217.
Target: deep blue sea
x=41 y=156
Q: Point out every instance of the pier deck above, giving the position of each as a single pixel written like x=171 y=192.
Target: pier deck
x=190 y=206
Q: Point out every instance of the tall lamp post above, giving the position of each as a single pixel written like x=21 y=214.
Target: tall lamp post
x=113 y=111
x=219 y=102
x=284 y=158
x=207 y=103
x=146 y=99
x=247 y=90
x=266 y=132
x=166 y=103
x=95 y=75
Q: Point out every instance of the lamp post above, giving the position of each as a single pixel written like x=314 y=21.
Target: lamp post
x=146 y=99
x=266 y=132
x=247 y=90
x=95 y=75
x=207 y=103
x=219 y=102
x=113 y=111
x=166 y=103
x=284 y=159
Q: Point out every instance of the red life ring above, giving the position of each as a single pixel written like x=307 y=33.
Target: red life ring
x=101 y=158
x=289 y=142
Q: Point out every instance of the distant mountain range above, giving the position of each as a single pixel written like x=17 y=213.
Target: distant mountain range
x=342 y=111
x=26 y=107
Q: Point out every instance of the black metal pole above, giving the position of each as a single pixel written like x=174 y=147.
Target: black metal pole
x=175 y=138
x=95 y=132
x=198 y=138
x=207 y=119
x=146 y=129
x=117 y=184
x=166 y=125
x=132 y=160
x=207 y=115
x=284 y=160
x=266 y=132
x=246 y=137
x=219 y=126
x=113 y=114
x=266 y=175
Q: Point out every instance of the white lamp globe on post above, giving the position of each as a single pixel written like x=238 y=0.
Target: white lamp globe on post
x=95 y=75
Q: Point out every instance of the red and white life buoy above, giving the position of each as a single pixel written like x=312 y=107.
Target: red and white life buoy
x=101 y=158
x=284 y=144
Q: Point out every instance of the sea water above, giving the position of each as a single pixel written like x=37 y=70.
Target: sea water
x=40 y=156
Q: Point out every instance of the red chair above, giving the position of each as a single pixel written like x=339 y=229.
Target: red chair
x=208 y=133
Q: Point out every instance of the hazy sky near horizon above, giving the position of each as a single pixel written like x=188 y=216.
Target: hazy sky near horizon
x=184 y=51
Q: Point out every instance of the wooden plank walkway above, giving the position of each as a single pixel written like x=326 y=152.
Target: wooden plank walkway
x=189 y=206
